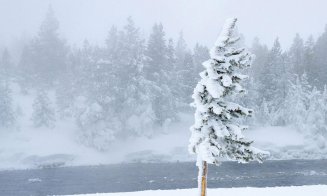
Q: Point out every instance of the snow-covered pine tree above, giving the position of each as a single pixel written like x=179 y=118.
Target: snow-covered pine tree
x=44 y=58
x=200 y=54
x=297 y=103
x=296 y=55
x=258 y=75
x=43 y=114
x=157 y=71
x=309 y=60
x=5 y=66
x=320 y=61
x=216 y=135
x=185 y=82
x=7 y=117
x=136 y=110
x=316 y=130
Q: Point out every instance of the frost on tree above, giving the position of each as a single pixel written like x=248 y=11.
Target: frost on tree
x=43 y=114
x=216 y=134
x=7 y=117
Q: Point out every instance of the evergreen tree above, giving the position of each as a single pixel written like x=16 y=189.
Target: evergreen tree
x=7 y=116
x=316 y=119
x=256 y=84
x=275 y=76
x=263 y=115
x=274 y=87
x=6 y=66
x=173 y=82
x=297 y=103
x=216 y=134
x=200 y=54
x=135 y=89
x=43 y=113
x=95 y=118
x=158 y=73
x=96 y=128
x=258 y=72
x=66 y=91
x=156 y=53
x=44 y=58
x=296 y=55
x=187 y=79
x=261 y=52
x=181 y=50
x=182 y=72
x=119 y=98
x=308 y=59
x=320 y=61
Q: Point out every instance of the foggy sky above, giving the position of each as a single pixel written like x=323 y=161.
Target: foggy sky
x=200 y=20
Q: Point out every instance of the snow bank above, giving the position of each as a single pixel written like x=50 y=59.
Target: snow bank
x=317 y=190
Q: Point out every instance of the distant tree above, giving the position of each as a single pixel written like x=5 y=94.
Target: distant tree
x=187 y=78
x=308 y=60
x=173 y=74
x=274 y=85
x=257 y=82
x=200 y=54
x=96 y=129
x=297 y=102
x=66 y=91
x=7 y=116
x=320 y=61
x=6 y=66
x=43 y=112
x=119 y=97
x=316 y=122
x=157 y=71
x=44 y=58
x=181 y=50
x=275 y=76
x=263 y=116
x=261 y=55
x=134 y=89
x=156 y=53
x=258 y=72
x=216 y=134
x=296 y=55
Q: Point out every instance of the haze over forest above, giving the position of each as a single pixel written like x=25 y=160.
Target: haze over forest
x=199 y=20
x=95 y=74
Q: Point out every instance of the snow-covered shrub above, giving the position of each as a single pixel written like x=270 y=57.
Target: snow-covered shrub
x=96 y=128
x=43 y=113
x=7 y=116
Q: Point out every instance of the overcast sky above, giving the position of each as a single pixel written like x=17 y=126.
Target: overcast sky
x=200 y=20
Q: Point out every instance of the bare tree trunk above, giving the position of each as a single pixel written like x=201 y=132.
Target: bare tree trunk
x=203 y=171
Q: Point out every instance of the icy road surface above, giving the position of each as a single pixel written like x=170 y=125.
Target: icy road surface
x=143 y=176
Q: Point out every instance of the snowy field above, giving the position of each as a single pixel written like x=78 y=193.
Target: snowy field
x=317 y=190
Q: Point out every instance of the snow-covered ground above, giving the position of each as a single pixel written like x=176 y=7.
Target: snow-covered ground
x=31 y=148
x=27 y=147
x=317 y=190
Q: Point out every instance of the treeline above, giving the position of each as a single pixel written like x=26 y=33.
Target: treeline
x=126 y=87
x=288 y=88
x=133 y=84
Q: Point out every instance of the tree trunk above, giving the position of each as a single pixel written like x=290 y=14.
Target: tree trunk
x=203 y=171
